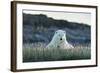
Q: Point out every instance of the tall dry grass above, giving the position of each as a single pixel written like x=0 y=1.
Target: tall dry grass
x=37 y=52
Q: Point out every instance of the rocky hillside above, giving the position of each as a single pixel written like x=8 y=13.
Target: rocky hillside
x=41 y=28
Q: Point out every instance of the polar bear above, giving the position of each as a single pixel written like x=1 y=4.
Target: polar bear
x=59 y=41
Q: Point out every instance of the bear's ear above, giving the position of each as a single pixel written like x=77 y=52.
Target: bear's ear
x=65 y=32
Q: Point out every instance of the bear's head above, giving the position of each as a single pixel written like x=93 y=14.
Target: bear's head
x=60 y=35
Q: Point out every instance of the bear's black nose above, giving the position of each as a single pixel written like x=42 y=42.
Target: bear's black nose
x=60 y=38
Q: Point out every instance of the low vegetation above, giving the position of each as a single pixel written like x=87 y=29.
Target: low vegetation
x=39 y=53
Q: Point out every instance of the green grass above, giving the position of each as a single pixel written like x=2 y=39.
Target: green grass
x=39 y=53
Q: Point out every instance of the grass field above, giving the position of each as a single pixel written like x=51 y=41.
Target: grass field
x=37 y=52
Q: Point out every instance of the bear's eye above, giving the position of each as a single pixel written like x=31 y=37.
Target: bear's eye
x=56 y=32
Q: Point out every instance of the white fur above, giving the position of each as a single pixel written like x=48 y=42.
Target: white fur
x=59 y=41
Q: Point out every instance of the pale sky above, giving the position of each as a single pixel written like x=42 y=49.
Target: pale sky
x=69 y=16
